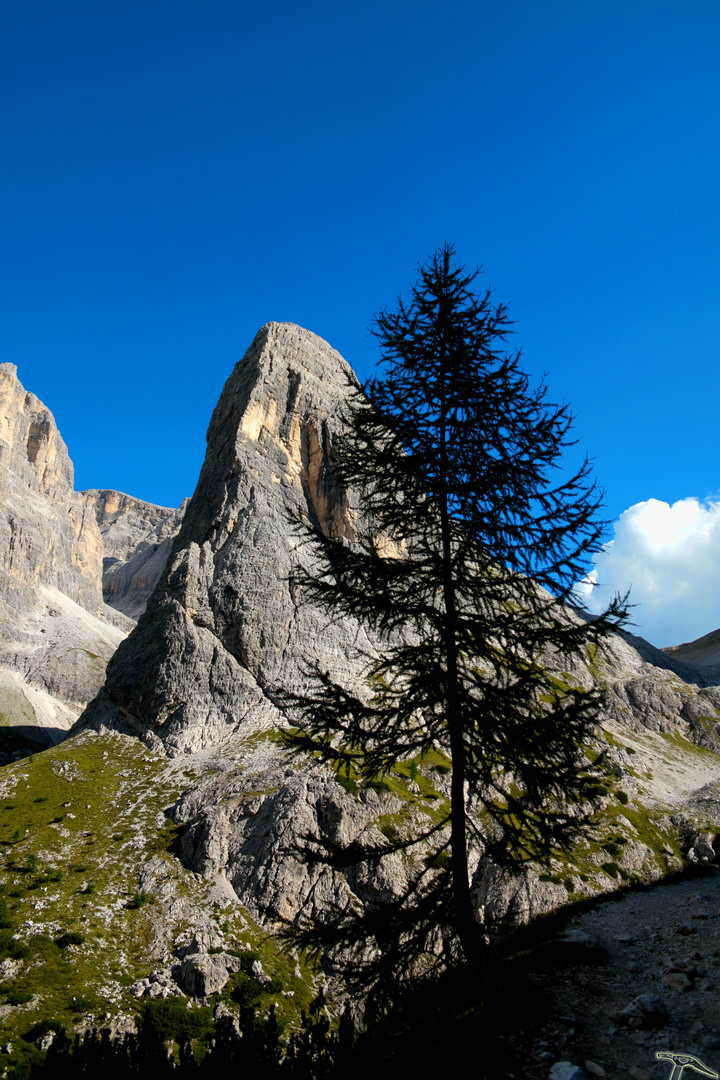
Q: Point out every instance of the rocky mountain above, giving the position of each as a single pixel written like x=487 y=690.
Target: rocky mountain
x=48 y=536
x=705 y=650
x=58 y=628
x=185 y=811
x=224 y=626
x=223 y=631
x=136 y=537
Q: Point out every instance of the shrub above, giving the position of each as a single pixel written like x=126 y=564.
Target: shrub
x=11 y=948
x=19 y=997
x=5 y=921
x=70 y=938
x=138 y=899
x=247 y=959
x=44 y=1027
x=246 y=991
x=171 y=1019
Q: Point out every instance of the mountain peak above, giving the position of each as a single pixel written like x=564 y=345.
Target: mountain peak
x=224 y=626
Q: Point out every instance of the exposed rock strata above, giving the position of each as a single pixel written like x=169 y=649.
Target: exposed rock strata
x=56 y=633
x=246 y=819
x=137 y=537
x=48 y=535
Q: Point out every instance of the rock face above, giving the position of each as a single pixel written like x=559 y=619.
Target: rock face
x=205 y=974
x=56 y=633
x=137 y=538
x=223 y=628
x=244 y=821
x=48 y=537
x=56 y=630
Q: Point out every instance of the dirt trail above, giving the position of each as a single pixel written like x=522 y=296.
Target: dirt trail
x=664 y=942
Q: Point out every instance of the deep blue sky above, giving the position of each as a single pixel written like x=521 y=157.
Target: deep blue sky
x=175 y=174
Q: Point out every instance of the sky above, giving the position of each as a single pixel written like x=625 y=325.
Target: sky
x=174 y=174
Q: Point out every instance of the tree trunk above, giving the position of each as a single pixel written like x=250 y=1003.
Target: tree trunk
x=467 y=927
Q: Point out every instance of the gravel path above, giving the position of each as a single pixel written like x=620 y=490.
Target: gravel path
x=664 y=943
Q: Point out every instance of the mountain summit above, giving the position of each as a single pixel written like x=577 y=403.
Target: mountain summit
x=59 y=622
x=224 y=625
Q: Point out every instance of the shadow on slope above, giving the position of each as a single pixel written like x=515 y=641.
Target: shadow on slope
x=21 y=740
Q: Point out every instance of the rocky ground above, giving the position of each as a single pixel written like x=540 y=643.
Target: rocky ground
x=662 y=946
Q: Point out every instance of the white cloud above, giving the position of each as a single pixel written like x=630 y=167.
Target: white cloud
x=669 y=558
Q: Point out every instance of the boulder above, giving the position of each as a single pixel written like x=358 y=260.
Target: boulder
x=644 y=1013
x=203 y=974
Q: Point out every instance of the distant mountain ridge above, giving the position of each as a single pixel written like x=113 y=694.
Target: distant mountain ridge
x=58 y=625
x=704 y=650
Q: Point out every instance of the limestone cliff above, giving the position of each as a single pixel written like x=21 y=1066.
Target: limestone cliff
x=56 y=633
x=137 y=537
x=48 y=536
x=223 y=626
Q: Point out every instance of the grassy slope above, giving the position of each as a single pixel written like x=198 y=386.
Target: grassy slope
x=79 y=825
x=83 y=829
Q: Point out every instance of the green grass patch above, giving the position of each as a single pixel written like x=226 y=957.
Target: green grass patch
x=348 y=783
x=139 y=899
x=79 y=825
x=674 y=738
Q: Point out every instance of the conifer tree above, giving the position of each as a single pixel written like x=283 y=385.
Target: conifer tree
x=466 y=576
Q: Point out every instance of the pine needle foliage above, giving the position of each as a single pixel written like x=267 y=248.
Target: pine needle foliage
x=478 y=535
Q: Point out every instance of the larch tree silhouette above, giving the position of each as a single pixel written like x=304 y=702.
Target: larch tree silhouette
x=479 y=534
